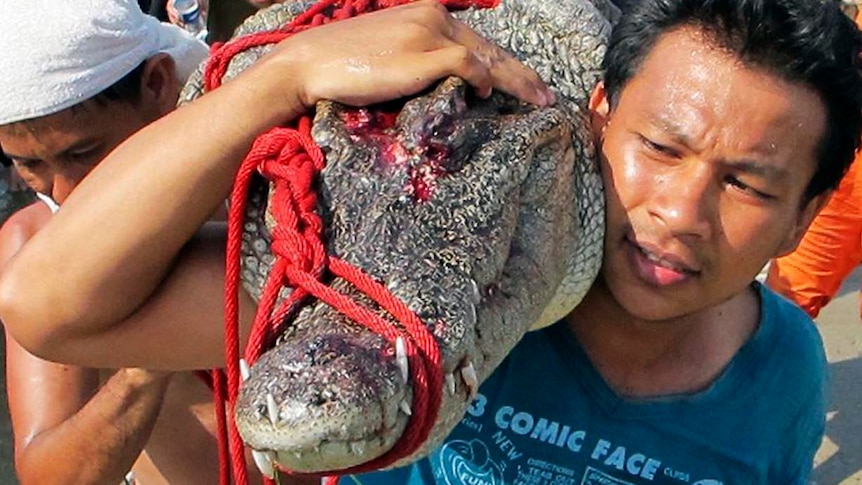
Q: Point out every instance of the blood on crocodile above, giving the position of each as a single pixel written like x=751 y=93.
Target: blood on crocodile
x=425 y=163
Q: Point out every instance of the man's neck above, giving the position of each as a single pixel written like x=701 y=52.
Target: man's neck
x=642 y=359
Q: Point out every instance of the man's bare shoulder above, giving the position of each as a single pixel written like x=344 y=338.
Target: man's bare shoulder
x=20 y=227
x=27 y=220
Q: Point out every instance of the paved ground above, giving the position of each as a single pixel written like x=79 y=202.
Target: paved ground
x=839 y=461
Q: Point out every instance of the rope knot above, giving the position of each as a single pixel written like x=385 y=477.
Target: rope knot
x=299 y=251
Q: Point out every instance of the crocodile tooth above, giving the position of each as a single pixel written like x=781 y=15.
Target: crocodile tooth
x=450 y=383
x=271 y=409
x=401 y=358
x=405 y=408
x=244 y=371
x=476 y=294
x=263 y=460
x=468 y=372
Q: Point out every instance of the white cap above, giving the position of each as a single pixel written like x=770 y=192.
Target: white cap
x=55 y=54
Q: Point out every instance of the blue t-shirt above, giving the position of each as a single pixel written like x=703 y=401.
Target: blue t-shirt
x=546 y=417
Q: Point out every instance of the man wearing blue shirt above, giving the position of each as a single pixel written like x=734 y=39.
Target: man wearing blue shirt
x=676 y=368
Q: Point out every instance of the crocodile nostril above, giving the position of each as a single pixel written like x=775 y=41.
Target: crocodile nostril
x=438 y=152
x=425 y=139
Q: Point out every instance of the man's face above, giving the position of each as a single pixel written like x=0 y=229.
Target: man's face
x=54 y=153
x=705 y=163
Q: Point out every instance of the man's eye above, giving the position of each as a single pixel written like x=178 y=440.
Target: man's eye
x=658 y=148
x=27 y=164
x=741 y=186
x=82 y=156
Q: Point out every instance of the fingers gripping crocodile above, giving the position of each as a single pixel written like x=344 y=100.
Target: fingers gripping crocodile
x=484 y=216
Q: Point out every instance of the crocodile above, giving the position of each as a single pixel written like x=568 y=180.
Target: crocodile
x=484 y=216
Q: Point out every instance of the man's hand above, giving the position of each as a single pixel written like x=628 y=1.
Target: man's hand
x=354 y=62
x=61 y=415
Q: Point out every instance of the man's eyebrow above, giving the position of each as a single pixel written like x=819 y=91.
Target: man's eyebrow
x=670 y=127
x=754 y=167
x=746 y=165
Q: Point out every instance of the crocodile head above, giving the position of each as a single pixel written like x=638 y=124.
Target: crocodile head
x=484 y=216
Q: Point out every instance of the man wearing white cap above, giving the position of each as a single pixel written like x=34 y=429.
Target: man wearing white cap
x=76 y=79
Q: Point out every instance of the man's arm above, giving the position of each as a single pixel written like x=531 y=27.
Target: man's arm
x=67 y=429
x=114 y=250
x=68 y=432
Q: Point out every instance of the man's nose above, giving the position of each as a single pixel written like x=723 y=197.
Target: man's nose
x=63 y=185
x=685 y=201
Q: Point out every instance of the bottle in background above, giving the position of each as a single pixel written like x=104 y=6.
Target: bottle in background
x=191 y=18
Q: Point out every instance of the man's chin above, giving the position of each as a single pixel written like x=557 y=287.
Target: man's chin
x=651 y=304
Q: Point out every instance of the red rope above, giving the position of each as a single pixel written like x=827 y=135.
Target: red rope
x=291 y=161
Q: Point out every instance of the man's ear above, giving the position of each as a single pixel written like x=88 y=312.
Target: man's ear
x=803 y=220
x=159 y=83
x=600 y=110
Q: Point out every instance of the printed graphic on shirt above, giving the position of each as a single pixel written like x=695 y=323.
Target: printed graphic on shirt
x=511 y=447
x=469 y=462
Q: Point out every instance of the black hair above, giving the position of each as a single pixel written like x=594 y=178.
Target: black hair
x=127 y=88
x=802 y=41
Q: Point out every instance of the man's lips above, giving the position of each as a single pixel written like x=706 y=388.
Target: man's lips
x=665 y=258
x=660 y=267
